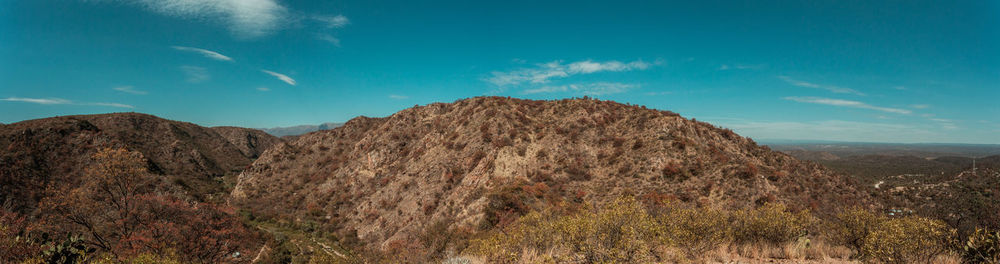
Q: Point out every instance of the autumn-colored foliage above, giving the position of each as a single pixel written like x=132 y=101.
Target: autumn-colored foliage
x=116 y=212
x=16 y=242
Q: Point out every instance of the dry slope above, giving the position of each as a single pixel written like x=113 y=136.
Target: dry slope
x=57 y=150
x=389 y=179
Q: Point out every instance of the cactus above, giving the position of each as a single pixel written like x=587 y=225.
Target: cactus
x=69 y=251
x=983 y=246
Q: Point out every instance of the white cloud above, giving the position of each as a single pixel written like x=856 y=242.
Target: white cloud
x=282 y=77
x=60 y=101
x=944 y=123
x=831 y=88
x=599 y=88
x=204 y=52
x=328 y=38
x=543 y=73
x=398 y=97
x=920 y=106
x=742 y=67
x=589 y=66
x=245 y=18
x=195 y=74
x=832 y=130
x=845 y=103
x=659 y=93
x=128 y=89
x=337 y=21
x=263 y=89
x=44 y=101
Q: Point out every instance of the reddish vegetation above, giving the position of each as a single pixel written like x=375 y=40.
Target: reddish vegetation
x=37 y=153
x=480 y=162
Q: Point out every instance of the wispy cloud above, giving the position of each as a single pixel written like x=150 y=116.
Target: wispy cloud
x=245 y=18
x=60 y=101
x=542 y=73
x=263 y=89
x=599 y=88
x=845 y=103
x=831 y=130
x=831 y=88
x=659 y=93
x=337 y=21
x=724 y=67
x=398 y=97
x=204 y=52
x=128 y=89
x=920 y=106
x=44 y=101
x=282 y=77
x=195 y=74
x=328 y=38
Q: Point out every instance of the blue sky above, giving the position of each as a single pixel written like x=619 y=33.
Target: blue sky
x=877 y=71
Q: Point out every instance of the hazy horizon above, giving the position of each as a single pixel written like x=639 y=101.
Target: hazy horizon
x=849 y=71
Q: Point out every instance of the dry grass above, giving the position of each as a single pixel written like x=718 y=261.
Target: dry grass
x=799 y=251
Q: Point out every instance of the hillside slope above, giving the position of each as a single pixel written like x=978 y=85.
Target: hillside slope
x=57 y=150
x=472 y=163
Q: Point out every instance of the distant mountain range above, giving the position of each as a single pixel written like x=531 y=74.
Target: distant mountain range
x=828 y=150
x=299 y=130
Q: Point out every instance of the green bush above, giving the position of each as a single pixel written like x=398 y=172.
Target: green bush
x=908 y=240
x=983 y=246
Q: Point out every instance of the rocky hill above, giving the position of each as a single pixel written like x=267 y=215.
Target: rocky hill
x=57 y=150
x=250 y=142
x=471 y=164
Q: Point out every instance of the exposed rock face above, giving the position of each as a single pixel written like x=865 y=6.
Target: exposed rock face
x=389 y=178
x=57 y=150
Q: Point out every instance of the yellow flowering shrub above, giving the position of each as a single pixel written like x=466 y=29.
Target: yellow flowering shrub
x=771 y=223
x=619 y=232
x=850 y=227
x=909 y=239
x=694 y=230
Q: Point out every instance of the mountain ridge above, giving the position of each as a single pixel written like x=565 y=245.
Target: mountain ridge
x=385 y=180
x=57 y=150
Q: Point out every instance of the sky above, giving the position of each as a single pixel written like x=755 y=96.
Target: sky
x=865 y=71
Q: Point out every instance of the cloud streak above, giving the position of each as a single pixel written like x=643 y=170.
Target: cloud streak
x=204 y=52
x=831 y=88
x=599 y=88
x=282 y=77
x=831 y=130
x=337 y=21
x=44 y=101
x=328 y=38
x=60 y=101
x=195 y=74
x=845 y=103
x=129 y=89
x=543 y=73
x=244 y=18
